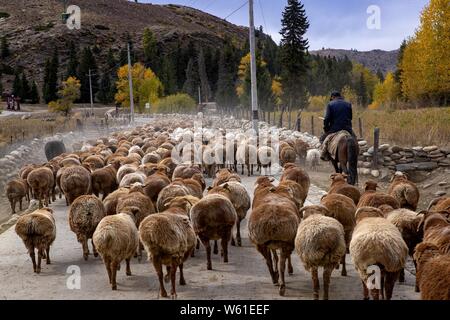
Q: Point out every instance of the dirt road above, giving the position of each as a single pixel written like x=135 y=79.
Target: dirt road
x=244 y=277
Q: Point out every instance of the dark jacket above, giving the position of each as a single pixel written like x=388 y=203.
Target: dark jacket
x=338 y=116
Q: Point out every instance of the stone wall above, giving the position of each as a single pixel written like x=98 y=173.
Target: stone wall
x=405 y=159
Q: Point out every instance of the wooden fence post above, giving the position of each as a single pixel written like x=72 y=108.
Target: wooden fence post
x=360 y=127
x=376 y=143
x=312 y=125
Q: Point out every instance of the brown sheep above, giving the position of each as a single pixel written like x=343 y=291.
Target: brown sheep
x=104 y=180
x=440 y=204
x=37 y=231
x=340 y=185
x=168 y=162
x=154 y=183
x=377 y=242
x=225 y=175
x=298 y=192
x=169 y=239
x=407 y=222
x=75 y=182
x=137 y=204
x=273 y=226
x=213 y=218
x=297 y=174
x=239 y=197
x=185 y=171
x=110 y=202
x=371 y=198
x=194 y=187
x=95 y=161
x=404 y=191
x=16 y=190
x=84 y=215
x=343 y=210
x=168 y=193
x=319 y=243
x=116 y=239
x=301 y=148
x=432 y=272
x=41 y=181
x=436 y=230
x=287 y=155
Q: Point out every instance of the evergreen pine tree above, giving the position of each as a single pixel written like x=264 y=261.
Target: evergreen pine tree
x=111 y=60
x=25 y=88
x=192 y=82
x=380 y=75
x=73 y=61
x=294 y=51
x=105 y=93
x=51 y=78
x=17 y=85
x=203 y=76
x=4 y=51
x=34 y=94
x=87 y=62
x=168 y=75
x=362 y=91
x=150 y=45
x=226 y=96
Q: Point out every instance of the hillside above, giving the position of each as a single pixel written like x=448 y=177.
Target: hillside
x=374 y=60
x=34 y=28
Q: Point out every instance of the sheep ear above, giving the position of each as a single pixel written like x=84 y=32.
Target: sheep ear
x=333 y=175
x=209 y=188
x=271 y=179
x=225 y=186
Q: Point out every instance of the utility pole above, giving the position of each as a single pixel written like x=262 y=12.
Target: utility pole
x=199 y=95
x=90 y=91
x=253 y=69
x=130 y=81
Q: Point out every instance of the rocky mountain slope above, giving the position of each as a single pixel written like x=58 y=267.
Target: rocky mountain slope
x=374 y=60
x=34 y=28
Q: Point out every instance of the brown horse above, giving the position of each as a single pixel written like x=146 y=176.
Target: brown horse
x=346 y=159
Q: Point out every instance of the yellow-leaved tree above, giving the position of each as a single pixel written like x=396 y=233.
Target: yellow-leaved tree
x=426 y=59
x=147 y=88
x=386 y=93
x=69 y=92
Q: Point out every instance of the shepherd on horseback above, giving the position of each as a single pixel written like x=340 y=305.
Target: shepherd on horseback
x=339 y=142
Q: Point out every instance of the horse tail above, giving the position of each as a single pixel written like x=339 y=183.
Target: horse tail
x=352 y=158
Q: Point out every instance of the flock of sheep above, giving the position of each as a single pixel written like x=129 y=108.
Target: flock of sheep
x=149 y=201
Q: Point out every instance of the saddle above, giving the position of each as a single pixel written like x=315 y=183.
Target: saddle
x=330 y=144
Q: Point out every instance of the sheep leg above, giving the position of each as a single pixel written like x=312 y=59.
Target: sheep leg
x=173 y=273
x=238 y=232
x=33 y=259
x=182 y=280
x=290 y=268
x=242 y=169
x=48 y=255
x=139 y=254
x=158 y=267
x=382 y=282
x=267 y=256
x=316 y=285
x=282 y=268
x=198 y=244
x=326 y=281
x=113 y=275
x=13 y=206
x=389 y=283
x=224 y=243
x=54 y=193
x=38 y=269
x=20 y=204
x=107 y=262
x=167 y=276
x=216 y=249
x=84 y=243
x=401 y=277
x=344 y=269
x=208 y=253
x=128 y=269
x=94 y=249
x=275 y=262
x=416 y=288
x=365 y=290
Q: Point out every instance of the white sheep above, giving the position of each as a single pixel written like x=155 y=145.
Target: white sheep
x=312 y=158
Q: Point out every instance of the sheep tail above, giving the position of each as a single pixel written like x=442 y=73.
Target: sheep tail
x=352 y=158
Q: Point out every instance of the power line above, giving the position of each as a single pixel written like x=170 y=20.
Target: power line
x=210 y=4
x=262 y=14
x=245 y=3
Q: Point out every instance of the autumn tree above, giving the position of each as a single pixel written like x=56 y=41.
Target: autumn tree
x=147 y=88
x=425 y=65
x=69 y=92
x=386 y=93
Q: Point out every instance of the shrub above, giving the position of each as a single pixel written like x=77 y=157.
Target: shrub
x=317 y=103
x=43 y=28
x=177 y=103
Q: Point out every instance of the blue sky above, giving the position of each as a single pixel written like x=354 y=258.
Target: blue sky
x=339 y=24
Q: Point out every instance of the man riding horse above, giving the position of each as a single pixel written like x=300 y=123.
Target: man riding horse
x=338 y=124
